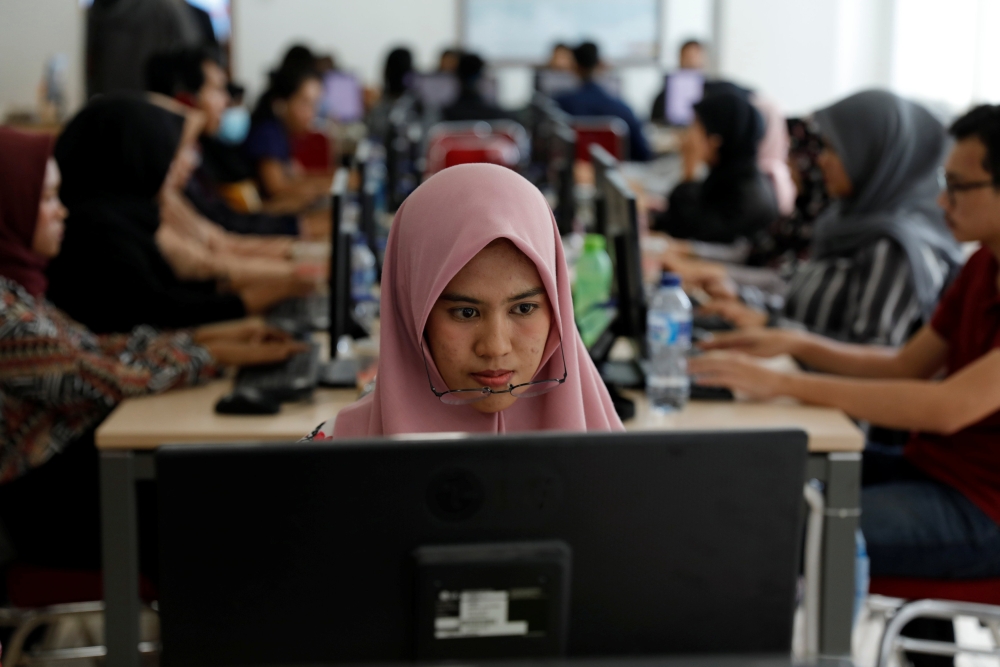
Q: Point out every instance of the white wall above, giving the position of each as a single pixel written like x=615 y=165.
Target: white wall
x=806 y=53
x=31 y=31
x=359 y=33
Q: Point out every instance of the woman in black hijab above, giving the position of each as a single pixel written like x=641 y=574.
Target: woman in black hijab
x=115 y=156
x=736 y=200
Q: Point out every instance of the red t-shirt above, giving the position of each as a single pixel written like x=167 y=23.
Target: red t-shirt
x=968 y=318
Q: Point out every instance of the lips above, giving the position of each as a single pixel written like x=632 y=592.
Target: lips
x=494 y=379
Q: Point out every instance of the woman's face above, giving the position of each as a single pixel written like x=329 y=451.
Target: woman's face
x=704 y=147
x=838 y=183
x=51 y=213
x=490 y=325
x=299 y=112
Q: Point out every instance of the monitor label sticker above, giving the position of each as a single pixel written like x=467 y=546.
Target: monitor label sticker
x=486 y=613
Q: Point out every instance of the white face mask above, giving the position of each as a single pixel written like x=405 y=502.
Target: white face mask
x=234 y=126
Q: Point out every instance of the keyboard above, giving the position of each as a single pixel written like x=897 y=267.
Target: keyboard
x=632 y=375
x=291 y=380
x=309 y=313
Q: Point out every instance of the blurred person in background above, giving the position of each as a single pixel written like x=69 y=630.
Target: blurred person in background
x=692 y=56
x=561 y=59
x=395 y=85
x=118 y=156
x=471 y=105
x=59 y=380
x=448 y=62
x=286 y=111
x=735 y=200
x=195 y=77
x=881 y=253
x=590 y=99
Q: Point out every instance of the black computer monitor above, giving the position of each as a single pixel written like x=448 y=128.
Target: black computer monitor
x=370 y=163
x=562 y=158
x=603 y=162
x=536 y=545
x=682 y=90
x=342 y=97
x=341 y=322
x=621 y=229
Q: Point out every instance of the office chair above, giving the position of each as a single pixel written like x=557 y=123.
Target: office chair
x=935 y=598
x=610 y=132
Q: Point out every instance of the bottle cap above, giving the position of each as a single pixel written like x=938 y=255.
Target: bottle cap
x=594 y=242
x=670 y=280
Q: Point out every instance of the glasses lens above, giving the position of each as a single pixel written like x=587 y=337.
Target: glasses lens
x=536 y=389
x=464 y=397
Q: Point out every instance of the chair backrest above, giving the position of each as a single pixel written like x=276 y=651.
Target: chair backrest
x=532 y=545
x=480 y=128
x=610 y=132
x=453 y=150
x=312 y=151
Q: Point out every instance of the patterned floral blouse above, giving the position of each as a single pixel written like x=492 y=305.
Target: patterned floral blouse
x=57 y=379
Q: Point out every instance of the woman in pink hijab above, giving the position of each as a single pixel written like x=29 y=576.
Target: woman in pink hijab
x=477 y=330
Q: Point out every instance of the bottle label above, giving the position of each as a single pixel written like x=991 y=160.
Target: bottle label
x=663 y=329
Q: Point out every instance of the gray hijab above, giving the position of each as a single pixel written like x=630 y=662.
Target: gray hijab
x=891 y=149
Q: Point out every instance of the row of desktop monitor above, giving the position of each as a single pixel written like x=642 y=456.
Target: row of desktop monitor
x=343 y=98
x=616 y=218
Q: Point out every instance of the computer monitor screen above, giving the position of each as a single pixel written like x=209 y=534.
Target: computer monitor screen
x=684 y=89
x=554 y=82
x=436 y=91
x=621 y=229
x=342 y=97
x=562 y=158
x=535 y=545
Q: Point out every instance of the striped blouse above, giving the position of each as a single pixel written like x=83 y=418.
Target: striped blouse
x=868 y=297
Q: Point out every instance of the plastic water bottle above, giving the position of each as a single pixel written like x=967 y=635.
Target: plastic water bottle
x=363 y=276
x=592 y=288
x=668 y=334
x=861 y=569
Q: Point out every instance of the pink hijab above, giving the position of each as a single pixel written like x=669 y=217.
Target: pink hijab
x=437 y=230
x=772 y=154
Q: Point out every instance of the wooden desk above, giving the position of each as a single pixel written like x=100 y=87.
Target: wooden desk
x=187 y=417
x=138 y=426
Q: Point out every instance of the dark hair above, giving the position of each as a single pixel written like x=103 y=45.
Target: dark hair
x=983 y=123
x=470 y=68
x=398 y=64
x=298 y=57
x=284 y=83
x=180 y=71
x=587 y=56
x=690 y=43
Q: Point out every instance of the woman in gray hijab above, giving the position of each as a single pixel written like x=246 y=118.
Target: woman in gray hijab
x=882 y=253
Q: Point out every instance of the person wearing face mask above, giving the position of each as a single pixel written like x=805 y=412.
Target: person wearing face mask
x=59 y=380
x=735 y=200
x=286 y=110
x=119 y=156
x=195 y=77
x=477 y=331
x=881 y=253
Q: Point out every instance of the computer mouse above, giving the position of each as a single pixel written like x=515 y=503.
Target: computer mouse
x=247 y=401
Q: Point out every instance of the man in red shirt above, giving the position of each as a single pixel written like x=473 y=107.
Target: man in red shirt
x=933 y=512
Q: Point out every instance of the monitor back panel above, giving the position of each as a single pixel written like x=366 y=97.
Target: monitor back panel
x=681 y=542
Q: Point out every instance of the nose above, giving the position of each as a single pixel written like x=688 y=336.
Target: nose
x=943 y=200
x=493 y=341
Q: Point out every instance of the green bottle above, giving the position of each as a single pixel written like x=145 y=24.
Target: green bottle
x=592 y=289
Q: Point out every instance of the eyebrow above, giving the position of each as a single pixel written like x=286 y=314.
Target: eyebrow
x=461 y=298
